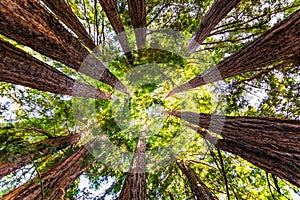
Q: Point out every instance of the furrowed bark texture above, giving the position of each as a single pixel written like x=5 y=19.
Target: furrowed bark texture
x=279 y=43
x=28 y=23
x=64 y=13
x=111 y=10
x=56 y=180
x=199 y=189
x=137 y=13
x=269 y=143
x=18 y=67
x=215 y=14
x=134 y=187
x=42 y=148
x=262 y=159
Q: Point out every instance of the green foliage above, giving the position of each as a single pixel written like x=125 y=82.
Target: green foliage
x=124 y=119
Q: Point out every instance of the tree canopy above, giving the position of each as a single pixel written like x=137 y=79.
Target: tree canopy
x=152 y=99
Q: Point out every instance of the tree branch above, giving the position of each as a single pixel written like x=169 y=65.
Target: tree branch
x=224 y=174
x=269 y=185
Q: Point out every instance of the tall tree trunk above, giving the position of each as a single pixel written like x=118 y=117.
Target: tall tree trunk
x=199 y=189
x=269 y=143
x=134 y=187
x=137 y=13
x=261 y=158
x=279 y=43
x=18 y=67
x=64 y=13
x=256 y=156
x=111 y=10
x=28 y=23
x=41 y=149
x=55 y=181
x=215 y=14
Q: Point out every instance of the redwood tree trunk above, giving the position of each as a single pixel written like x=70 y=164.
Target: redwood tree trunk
x=137 y=13
x=41 y=149
x=64 y=13
x=55 y=181
x=215 y=14
x=199 y=189
x=269 y=143
x=28 y=23
x=18 y=67
x=261 y=158
x=279 y=43
x=111 y=10
x=134 y=187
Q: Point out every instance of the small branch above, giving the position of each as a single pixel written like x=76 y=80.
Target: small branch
x=256 y=18
x=96 y=22
x=40 y=177
x=235 y=195
x=276 y=183
x=262 y=72
x=269 y=185
x=224 y=174
x=40 y=131
x=231 y=41
x=205 y=49
x=215 y=159
x=233 y=30
x=85 y=17
x=157 y=14
x=197 y=162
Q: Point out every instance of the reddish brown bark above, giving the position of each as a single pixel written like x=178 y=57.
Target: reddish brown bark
x=28 y=23
x=215 y=14
x=199 y=189
x=41 y=149
x=64 y=13
x=279 y=43
x=171 y=195
x=18 y=67
x=134 y=186
x=260 y=157
x=111 y=10
x=269 y=143
x=55 y=181
x=137 y=13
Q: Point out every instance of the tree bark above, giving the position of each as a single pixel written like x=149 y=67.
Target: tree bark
x=134 y=187
x=137 y=13
x=111 y=10
x=256 y=156
x=55 y=181
x=18 y=67
x=199 y=189
x=64 y=13
x=171 y=195
x=28 y=23
x=215 y=14
x=41 y=149
x=277 y=44
x=269 y=143
x=259 y=157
